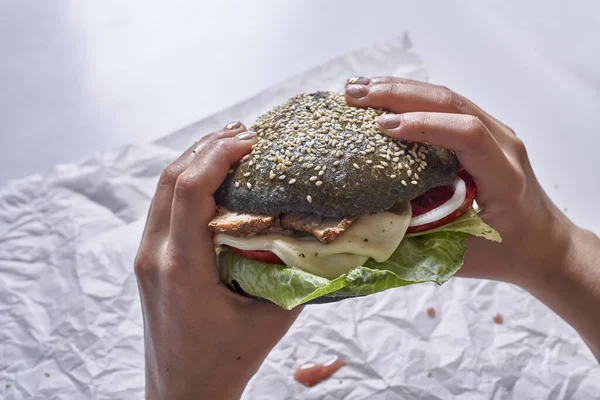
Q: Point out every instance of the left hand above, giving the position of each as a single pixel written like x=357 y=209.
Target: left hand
x=201 y=339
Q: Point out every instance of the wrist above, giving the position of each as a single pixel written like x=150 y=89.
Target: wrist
x=551 y=257
x=570 y=285
x=178 y=385
x=223 y=394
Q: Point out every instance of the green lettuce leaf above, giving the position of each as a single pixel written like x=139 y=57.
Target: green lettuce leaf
x=432 y=256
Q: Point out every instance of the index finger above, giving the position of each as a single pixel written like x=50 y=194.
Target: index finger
x=401 y=95
x=193 y=201
x=159 y=214
x=476 y=148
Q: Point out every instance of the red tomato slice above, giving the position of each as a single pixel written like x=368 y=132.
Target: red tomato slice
x=431 y=199
x=259 y=255
x=438 y=196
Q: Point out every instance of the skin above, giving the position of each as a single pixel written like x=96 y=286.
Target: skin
x=203 y=341
x=542 y=250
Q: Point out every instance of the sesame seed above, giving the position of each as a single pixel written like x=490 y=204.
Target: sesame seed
x=416 y=176
x=288 y=163
x=272 y=175
x=319 y=183
x=237 y=184
x=369 y=162
x=249 y=185
x=247 y=174
x=379 y=167
x=250 y=162
x=309 y=165
x=403 y=182
x=313 y=178
x=409 y=172
x=383 y=163
x=246 y=157
x=292 y=181
x=309 y=198
x=355 y=165
x=412 y=162
x=321 y=172
x=336 y=162
x=414 y=182
x=395 y=159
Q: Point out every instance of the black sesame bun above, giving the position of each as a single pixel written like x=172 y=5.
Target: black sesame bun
x=317 y=154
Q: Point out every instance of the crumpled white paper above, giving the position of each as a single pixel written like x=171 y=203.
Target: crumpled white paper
x=70 y=318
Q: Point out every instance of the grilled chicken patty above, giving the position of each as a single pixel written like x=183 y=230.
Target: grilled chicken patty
x=247 y=224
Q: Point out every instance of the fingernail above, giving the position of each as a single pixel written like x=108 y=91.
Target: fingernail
x=390 y=121
x=359 y=80
x=357 y=91
x=248 y=135
x=233 y=125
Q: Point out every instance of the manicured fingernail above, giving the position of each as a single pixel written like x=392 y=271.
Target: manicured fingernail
x=357 y=91
x=248 y=135
x=359 y=80
x=390 y=121
x=233 y=125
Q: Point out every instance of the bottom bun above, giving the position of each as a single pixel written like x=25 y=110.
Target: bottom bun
x=235 y=287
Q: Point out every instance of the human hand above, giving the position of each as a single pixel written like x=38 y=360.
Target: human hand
x=541 y=250
x=201 y=339
x=534 y=231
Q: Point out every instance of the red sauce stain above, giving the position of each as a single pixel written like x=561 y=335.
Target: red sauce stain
x=431 y=312
x=498 y=319
x=310 y=374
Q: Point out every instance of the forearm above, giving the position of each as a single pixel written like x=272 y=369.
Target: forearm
x=224 y=393
x=571 y=287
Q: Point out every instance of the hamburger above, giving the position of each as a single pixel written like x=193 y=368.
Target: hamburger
x=325 y=207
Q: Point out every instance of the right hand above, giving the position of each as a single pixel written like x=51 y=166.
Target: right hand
x=534 y=231
x=542 y=250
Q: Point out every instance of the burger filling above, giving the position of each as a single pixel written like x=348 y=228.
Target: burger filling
x=330 y=247
x=374 y=236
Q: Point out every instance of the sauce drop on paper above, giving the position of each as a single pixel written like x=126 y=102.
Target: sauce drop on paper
x=310 y=374
x=431 y=312
x=498 y=319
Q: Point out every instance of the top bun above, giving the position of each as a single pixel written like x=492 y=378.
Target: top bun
x=315 y=153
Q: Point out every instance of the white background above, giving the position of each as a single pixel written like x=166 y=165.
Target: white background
x=80 y=77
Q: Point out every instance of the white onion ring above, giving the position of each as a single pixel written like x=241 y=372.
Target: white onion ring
x=442 y=211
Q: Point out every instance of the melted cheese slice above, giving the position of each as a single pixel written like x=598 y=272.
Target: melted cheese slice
x=373 y=236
